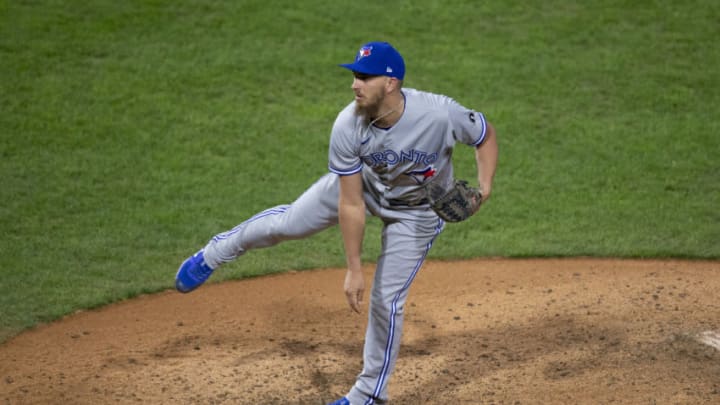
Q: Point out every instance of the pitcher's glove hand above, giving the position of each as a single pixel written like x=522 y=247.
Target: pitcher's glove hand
x=457 y=204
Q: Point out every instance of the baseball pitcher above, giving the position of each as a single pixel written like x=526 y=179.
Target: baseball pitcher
x=390 y=156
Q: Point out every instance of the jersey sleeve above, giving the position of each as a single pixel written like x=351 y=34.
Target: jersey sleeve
x=344 y=153
x=470 y=126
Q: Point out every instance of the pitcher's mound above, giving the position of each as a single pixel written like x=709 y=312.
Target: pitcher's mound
x=476 y=332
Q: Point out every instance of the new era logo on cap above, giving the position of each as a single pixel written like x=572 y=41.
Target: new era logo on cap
x=378 y=59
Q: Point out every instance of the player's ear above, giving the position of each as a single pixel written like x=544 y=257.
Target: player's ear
x=391 y=84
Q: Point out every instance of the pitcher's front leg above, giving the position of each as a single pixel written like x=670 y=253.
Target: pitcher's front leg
x=405 y=246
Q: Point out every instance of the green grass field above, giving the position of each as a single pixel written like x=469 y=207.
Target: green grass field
x=131 y=132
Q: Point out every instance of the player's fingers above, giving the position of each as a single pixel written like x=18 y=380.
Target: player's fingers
x=352 y=299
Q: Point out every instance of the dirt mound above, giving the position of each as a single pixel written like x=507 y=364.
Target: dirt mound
x=486 y=331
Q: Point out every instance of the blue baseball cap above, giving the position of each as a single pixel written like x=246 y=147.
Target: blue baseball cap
x=378 y=59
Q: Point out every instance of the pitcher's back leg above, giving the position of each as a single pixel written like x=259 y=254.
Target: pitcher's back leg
x=315 y=210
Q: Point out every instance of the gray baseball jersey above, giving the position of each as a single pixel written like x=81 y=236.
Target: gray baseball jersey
x=398 y=162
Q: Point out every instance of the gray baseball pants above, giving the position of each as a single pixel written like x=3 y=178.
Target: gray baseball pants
x=407 y=236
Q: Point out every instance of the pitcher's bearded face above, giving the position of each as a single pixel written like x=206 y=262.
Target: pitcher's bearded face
x=369 y=95
x=368 y=106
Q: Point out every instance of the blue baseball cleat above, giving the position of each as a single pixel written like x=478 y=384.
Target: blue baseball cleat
x=192 y=273
x=341 y=401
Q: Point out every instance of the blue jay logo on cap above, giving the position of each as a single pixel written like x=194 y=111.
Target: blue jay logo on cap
x=364 y=52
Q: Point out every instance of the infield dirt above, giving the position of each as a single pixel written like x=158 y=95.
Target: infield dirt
x=491 y=331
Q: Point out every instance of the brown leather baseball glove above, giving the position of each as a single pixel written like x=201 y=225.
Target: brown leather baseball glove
x=457 y=204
